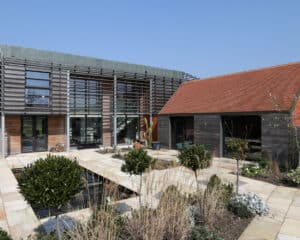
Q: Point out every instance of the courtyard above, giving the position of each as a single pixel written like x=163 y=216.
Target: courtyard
x=18 y=218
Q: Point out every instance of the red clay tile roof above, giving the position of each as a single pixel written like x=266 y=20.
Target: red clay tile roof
x=266 y=89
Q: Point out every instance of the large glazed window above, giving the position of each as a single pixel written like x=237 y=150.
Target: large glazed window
x=85 y=130
x=85 y=96
x=132 y=97
x=127 y=129
x=37 y=89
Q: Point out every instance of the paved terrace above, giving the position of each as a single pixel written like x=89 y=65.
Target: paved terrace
x=283 y=221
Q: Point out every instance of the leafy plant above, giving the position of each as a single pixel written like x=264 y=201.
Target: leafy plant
x=136 y=162
x=251 y=201
x=250 y=170
x=294 y=176
x=51 y=182
x=117 y=153
x=226 y=190
x=201 y=232
x=195 y=157
x=240 y=210
x=237 y=147
x=4 y=235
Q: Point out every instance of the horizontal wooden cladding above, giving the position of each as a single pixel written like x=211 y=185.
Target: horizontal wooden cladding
x=128 y=102
x=207 y=129
x=164 y=131
x=275 y=135
x=15 y=85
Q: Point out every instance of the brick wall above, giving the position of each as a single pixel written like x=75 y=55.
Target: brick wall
x=56 y=130
x=107 y=106
x=13 y=133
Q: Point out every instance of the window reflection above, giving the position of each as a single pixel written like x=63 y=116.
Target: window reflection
x=37 y=89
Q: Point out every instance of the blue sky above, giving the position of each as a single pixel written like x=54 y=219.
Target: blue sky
x=205 y=38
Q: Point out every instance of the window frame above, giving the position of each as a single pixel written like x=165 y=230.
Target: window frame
x=36 y=87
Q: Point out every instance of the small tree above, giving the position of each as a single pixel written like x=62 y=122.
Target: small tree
x=51 y=183
x=136 y=162
x=237 y=148
x=4 y=235
x=149 y=130
x=195 y=157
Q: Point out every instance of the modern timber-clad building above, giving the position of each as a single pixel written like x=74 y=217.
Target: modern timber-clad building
x=50 y=98
x=261 y=106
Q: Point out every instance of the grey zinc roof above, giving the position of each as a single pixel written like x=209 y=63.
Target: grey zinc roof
x=70 y=59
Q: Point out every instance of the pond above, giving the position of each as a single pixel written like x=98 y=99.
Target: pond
x=96 y=189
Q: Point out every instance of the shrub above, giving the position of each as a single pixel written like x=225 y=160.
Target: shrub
x=250 y=170
x=136 y=162
x=262 y=162
x=294 y=176
x=195 y=157
x=250 y=201
x=237 y=148
x=202 y=233
x=104 y=224
x=214 y=182
x=4 y=235
x=226 y=190
x=240 y=210
x=51 y=182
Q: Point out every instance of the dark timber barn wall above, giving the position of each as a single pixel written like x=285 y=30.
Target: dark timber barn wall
x=275 y=135
x=164 y=131
x=208 y=131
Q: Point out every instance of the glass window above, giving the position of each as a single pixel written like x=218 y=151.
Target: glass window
x=127 y=129
x=37 y=75
x=37 y=100
x=85 y=96
x=38 y=92
x=37 y=83
x=37 y=89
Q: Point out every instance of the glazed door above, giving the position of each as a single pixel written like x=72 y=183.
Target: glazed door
x=34 y=134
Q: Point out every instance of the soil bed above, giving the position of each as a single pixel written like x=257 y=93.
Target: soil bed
x=231 y=227
x=280 y=180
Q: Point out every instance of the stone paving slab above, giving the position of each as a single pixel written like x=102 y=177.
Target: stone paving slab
x=286 y=237
x=261 y=228
x=291 y=227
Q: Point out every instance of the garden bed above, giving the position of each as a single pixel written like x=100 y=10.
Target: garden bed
x=271 y=174
x=159 y=163
x=280 y=180
x=230 y=226
x=95 y=190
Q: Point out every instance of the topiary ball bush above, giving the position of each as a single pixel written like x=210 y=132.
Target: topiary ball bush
x=4 y=235
x=195 y=157
x=136 y=161
x=50 y=182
